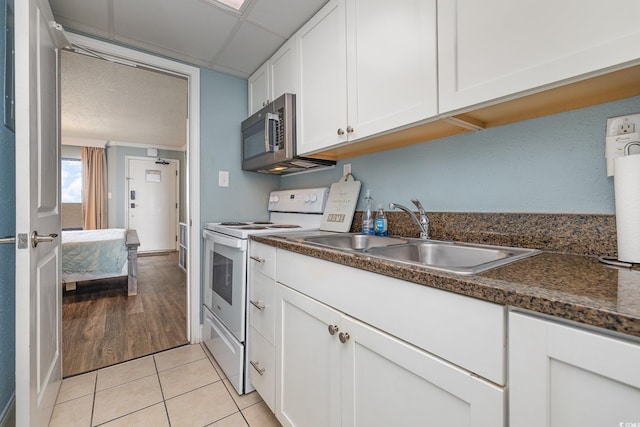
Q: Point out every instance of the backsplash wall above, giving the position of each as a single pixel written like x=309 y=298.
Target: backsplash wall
x=552 y=164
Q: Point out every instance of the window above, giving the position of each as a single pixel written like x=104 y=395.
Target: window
x=71 y=180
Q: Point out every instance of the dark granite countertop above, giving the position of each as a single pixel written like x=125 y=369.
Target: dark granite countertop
x=572 y=287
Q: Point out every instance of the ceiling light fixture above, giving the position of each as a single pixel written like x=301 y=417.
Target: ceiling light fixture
x=235 y=5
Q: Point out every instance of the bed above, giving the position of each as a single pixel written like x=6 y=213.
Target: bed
x=100 y=254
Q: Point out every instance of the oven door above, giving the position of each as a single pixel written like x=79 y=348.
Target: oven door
x=225 y=279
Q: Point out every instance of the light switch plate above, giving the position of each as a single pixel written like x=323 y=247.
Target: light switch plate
x=223 y=178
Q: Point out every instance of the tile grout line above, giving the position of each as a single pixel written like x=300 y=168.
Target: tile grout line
x=164 y=401
x=93 y=403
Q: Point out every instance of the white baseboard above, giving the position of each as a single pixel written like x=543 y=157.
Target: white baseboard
x=8 y=418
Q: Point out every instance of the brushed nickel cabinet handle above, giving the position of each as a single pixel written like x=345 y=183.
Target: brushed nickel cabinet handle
x=258 y=305
x=255 y=258
x=344 y=336
x=340 y=131
x=349 y=129
x=333 y=329
x=256 y=367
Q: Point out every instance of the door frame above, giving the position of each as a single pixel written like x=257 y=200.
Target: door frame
x=126 y=194
x=194 y=332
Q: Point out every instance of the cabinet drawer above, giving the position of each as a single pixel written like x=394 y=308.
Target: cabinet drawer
x=261 y=305
x=262 y=369
x=465 y=331
x=262 y=258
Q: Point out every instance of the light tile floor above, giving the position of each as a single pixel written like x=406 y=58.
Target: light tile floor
x=183 y=387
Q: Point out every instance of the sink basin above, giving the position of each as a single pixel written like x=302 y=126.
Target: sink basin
x=460 y=258
x=353 y=241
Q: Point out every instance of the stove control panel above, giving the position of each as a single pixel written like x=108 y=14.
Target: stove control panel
x=307 y=200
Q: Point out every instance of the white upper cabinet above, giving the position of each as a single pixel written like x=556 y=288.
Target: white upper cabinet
x=321 y=106
x=283 y=69
x=259 y=88
x=492 y=49
x=365 y=67
x=276 y=76
x=391 y=64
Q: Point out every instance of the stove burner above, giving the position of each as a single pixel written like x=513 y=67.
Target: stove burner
x=262 y=222
x=233 y=223
x=284 y=226
x=254 y=227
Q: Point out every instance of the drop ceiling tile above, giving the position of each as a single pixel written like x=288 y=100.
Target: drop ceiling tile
x=88 y=16
x=249 y=48
x=284 y=17
x=189 y=28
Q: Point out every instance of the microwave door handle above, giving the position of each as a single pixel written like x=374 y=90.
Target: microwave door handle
x=270 y=133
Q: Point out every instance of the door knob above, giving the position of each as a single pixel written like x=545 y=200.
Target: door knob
x=349 y=129
x=340 y=131
x=333 y=329
x=344 y=336
x=37 y=238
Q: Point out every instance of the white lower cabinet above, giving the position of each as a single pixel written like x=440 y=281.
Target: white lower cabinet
x=562 y=375
x=333 y=370
x=261 y=313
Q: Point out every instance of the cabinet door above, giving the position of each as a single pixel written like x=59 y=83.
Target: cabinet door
x=307 y=361
x=321 y=103
x=283 y=69
x=565 y=376
x=387 y=382
x=496 y=48
x=259 y=88
x=391 y=64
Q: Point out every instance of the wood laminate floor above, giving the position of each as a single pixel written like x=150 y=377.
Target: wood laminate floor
x=102 y=326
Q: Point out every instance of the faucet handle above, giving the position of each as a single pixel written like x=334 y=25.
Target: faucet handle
x=418 y=205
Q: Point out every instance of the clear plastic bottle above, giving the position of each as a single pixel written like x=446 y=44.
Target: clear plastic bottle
x=380 y=224
x=367 y=215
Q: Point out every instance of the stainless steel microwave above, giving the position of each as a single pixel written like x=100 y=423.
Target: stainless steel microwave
x=269 y=140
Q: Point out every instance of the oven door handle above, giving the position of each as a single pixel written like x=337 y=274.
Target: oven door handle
x=231 y=242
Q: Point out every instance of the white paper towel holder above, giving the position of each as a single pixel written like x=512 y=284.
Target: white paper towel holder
x=609 y=260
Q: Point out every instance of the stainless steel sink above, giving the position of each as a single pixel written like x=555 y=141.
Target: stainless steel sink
x=454 y=257
x=353 y=241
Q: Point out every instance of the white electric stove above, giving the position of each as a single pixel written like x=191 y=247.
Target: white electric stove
x=225 y=274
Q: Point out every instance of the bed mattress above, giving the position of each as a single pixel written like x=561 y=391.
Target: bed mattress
x=93 y=254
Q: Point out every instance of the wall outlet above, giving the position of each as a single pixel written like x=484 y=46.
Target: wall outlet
x=620 y=131
x=623 y=125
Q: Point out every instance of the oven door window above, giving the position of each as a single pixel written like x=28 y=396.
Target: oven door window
x=223 y=277
x=225 y=291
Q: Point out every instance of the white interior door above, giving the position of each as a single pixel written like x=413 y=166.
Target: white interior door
x=152 y=203
x=38 y=289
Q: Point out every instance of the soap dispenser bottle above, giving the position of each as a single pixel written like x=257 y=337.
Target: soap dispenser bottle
x=367 y=215
x=380 y=224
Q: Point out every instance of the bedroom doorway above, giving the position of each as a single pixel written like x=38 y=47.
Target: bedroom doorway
x=101 y=324
x=153 y=202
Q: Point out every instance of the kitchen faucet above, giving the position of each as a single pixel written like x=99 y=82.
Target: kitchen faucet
x=422 y=223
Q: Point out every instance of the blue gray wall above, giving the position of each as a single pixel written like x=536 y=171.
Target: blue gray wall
x=550 y=164
x=223 y=106
x=7 y=252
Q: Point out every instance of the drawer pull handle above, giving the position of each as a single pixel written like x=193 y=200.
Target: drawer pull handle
x=333 y=329
x=344 y=336
x=255 y=258
x=255 y=366
x=258 y=305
